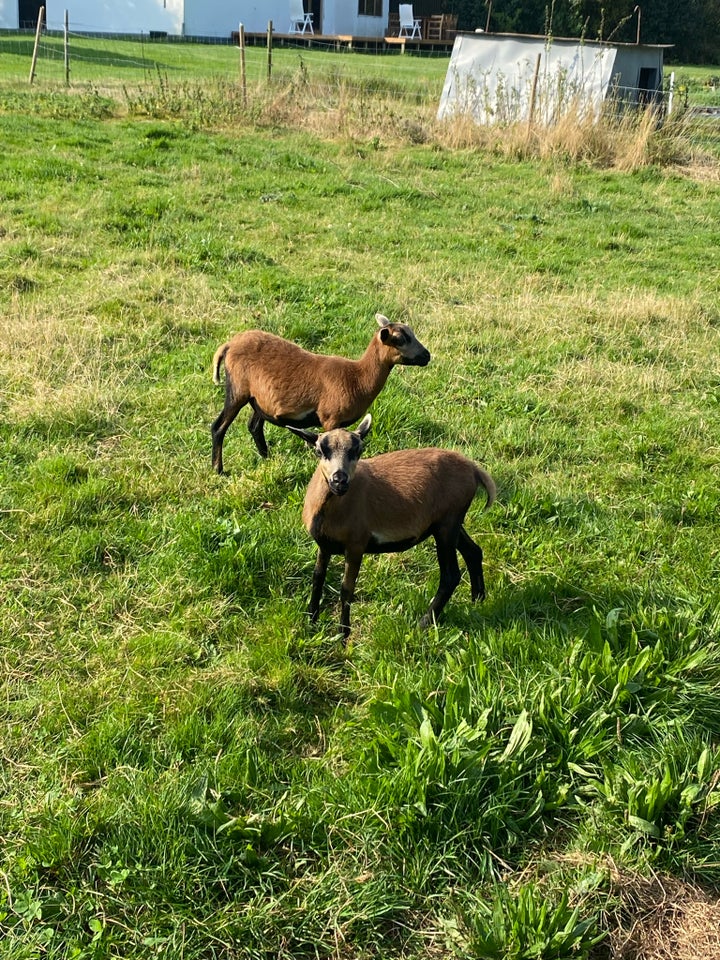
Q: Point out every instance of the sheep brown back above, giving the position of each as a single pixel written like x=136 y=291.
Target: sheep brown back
x=396 y=497
x=410 y=490
x=279 y=375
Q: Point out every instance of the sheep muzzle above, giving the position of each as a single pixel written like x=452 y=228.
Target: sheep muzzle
x=420 y=360
x=339 y=483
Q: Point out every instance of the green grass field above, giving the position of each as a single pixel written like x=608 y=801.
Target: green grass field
x=189 y=769
x=101 y=60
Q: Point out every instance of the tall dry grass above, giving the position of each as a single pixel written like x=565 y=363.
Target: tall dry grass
x=383 y=113
x=626 y=141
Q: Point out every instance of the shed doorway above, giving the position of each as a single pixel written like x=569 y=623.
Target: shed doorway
x=647 y=85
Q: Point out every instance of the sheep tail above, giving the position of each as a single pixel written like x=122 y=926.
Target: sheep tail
x=218 y=359
x=487 y=481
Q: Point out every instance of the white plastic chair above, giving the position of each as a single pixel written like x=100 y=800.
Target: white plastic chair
x=300 y=22
x=409 y=26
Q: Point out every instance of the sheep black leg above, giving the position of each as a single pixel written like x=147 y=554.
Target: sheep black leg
x=473 y=556
x=318 y=582
x=347 y=593
x=256 y=426
x=446 y=547
x=220 y=426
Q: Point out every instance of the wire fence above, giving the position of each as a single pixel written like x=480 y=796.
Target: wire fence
x=703 y=129
x=86 y=55
x=94 y=56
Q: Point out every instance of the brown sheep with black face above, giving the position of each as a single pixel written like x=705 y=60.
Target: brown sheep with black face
x=390 y=503
x=289 y=386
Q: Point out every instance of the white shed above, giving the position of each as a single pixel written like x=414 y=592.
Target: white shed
x=495 y=77
x=207 y=18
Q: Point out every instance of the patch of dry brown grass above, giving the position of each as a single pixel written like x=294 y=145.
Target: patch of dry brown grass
x=628 y=142
x=655 y=917
x=623 y=141
x=79 y=355
x=663 y=918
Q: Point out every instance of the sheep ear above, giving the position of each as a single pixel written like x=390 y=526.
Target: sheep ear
x=307 y=435
x=363 y=428
x=382 y=320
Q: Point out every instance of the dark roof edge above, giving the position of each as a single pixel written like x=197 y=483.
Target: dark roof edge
x=544 y=38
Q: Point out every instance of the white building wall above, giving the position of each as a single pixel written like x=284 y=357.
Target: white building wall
x=341 y=18
x=218 y=18
x=199 y=18
x=9 y=15
x=116 y=16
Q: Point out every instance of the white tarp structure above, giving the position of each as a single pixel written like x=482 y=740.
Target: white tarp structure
x=491 y=77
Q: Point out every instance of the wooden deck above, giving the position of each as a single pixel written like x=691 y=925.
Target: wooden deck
x=347 y=42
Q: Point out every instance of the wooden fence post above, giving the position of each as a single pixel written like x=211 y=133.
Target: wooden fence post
x=66 y=48
x=671 y=91
x=38 y=31
x=243 y=73
x=533 y=92
x=269 y=49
